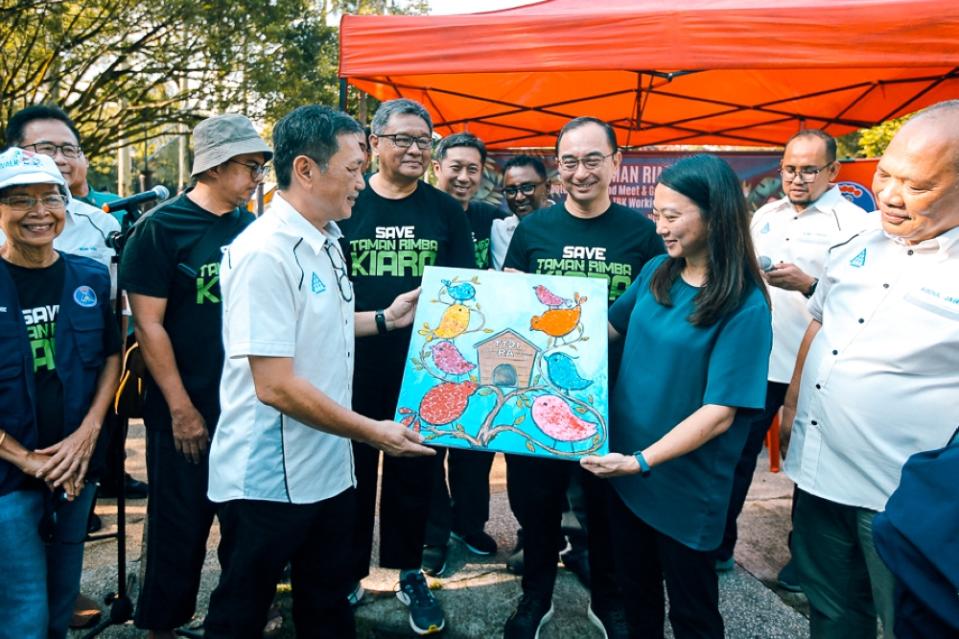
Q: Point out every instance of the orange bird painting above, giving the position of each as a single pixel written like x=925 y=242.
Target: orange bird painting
x=558 y=322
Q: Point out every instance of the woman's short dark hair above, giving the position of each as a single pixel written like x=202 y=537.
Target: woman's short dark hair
x=311 y=131
x=712 y=184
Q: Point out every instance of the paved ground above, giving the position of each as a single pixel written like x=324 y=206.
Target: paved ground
x=478 y=594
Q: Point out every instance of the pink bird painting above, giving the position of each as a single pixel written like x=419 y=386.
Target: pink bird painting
x=553 y=416
x=449 y=359
x=549 y=298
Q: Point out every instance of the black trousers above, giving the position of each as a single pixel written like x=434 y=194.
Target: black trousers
x=644 y=557
x=179 y=517
x=464 y=506
x=404 y=508
x=258 y=539
x=536 y=488
x=746 y=466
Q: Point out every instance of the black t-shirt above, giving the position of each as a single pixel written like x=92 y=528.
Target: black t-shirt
x=157 y=262
x=387 y=244
x=481 y=216
x=39 y=291
x=614 y=245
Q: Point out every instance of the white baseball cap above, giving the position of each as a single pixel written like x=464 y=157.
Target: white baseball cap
x=18 y=166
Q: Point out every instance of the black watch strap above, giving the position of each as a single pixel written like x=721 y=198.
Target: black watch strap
x=381 y=323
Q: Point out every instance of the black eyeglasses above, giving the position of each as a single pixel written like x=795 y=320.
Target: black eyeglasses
x=70 y=151
x=591 y=162
x=339 y=268
x=257 y=171
x=807 y=173
x=406 y=141
x=525 y=189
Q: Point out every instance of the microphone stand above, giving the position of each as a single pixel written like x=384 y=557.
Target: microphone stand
x=121 y=606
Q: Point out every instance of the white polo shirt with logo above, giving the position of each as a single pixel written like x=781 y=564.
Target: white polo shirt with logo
x=784 y=235
x=282 y=297
x=881 y=379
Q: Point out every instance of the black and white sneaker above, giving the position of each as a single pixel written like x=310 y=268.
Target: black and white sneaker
x=426 y=614
x=478 y=543
x=434 y=560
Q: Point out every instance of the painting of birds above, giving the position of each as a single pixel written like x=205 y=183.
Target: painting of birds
x=550 y=298
x=449 y=359
x=454 y=322
x=561 y=370
x=558 y=322
x=459 y=291
x=556 y=419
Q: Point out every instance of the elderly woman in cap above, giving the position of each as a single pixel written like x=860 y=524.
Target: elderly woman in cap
x=59 y=364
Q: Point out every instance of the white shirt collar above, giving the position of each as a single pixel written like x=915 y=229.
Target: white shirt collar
x=301 y=227
x=940 y=244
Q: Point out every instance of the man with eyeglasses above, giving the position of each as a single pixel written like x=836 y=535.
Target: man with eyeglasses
x=794 y=233
x=588 y=235
x=400 y=225
x=281 y=465
x=525 y=190
x=462 y=509
x=170 y=269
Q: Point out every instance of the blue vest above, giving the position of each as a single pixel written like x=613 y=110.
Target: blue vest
x=84 y=314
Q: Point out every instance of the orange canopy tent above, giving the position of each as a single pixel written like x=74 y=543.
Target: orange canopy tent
x=734 y=72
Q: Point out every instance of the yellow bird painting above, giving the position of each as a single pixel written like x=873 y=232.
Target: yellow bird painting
x=453 y=323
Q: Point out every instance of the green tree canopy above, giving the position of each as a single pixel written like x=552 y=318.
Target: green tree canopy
x=127 y=69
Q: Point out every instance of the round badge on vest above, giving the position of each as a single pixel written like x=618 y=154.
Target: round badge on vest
x=85 y=297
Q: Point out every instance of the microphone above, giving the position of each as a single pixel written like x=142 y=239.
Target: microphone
x=159 y=192
x=765 y=264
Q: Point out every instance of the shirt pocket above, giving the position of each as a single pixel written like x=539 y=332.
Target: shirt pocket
x=13 y=401
x=88 y=336
x=935 y=300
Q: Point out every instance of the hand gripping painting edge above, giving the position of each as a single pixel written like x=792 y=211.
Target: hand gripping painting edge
x=509 y=362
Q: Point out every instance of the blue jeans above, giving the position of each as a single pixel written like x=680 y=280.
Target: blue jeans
x=41 y=577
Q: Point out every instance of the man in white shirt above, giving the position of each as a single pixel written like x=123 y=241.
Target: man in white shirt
x=281 y=464
x=49 y=131
x=876 y=378
x=793 y=234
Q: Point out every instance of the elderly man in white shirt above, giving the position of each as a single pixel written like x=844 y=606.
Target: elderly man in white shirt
x=792 y=237
x=281 y=464
x=876 y=379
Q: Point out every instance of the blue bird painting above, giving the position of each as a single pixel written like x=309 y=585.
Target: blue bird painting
x=562 y=372
x=459 y=291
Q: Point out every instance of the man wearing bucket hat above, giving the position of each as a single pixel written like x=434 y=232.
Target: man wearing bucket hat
x=59 y=354
x=170 y=269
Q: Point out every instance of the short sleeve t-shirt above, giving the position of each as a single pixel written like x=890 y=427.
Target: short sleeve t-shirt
x=670 y=369
x=387 y=244
x=613 y=246
x=481 y=216
x=155 y=263
x=39 y=291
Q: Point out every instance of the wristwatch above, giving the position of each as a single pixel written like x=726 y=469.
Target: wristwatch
x=643 y=464
x=812 y=288
x=381 y=322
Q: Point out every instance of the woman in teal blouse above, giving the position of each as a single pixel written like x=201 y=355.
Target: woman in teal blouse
x=698 y=334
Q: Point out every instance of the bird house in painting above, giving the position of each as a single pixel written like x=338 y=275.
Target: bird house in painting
x=506 y=359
